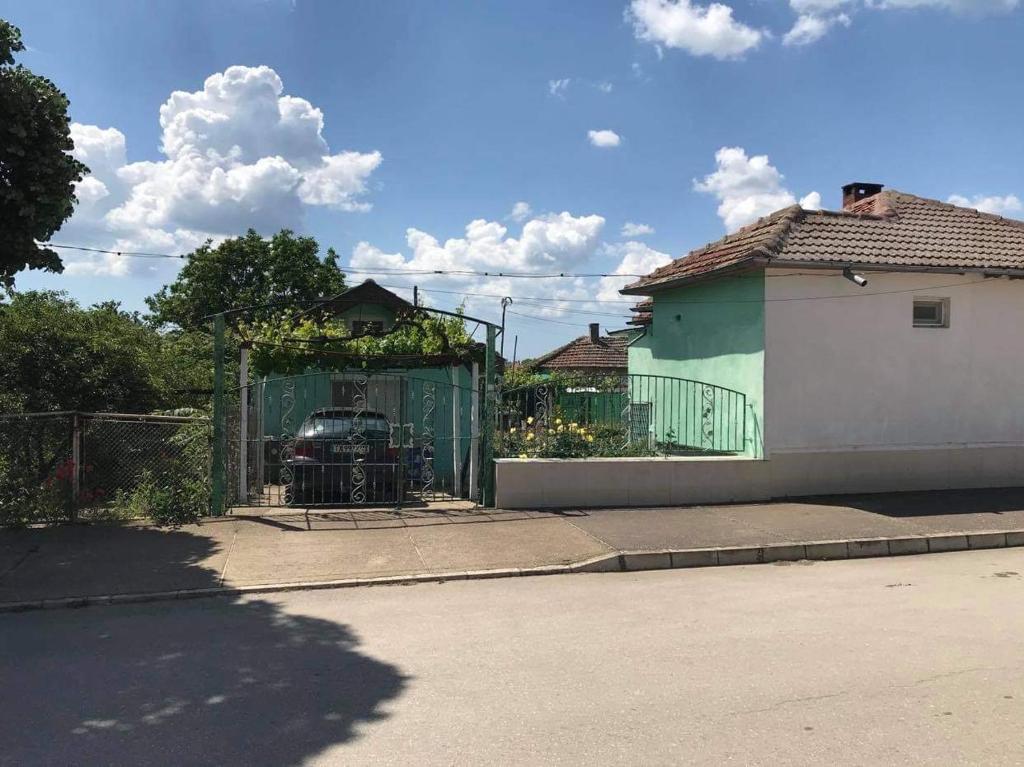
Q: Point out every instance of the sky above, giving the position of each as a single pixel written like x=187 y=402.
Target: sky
x=583 y=138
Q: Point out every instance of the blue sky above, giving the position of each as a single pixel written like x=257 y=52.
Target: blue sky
x=441 y=116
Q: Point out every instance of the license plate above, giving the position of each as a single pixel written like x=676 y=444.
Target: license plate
x=354 y=449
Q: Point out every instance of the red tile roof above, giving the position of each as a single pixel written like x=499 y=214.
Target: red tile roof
x=888 y=229
x=609 y=353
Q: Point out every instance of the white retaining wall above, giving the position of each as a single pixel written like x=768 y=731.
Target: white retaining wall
x=596 y=482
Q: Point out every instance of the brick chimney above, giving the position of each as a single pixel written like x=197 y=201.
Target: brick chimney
x=857 y=191
x=595 y=332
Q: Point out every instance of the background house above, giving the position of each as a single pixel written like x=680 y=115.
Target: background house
x=878 y=346
x=592 y=354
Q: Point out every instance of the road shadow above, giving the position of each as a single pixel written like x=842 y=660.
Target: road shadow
x=193 y=682
x=929 y=503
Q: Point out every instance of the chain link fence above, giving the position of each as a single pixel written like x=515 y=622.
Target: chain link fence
x=59 y=467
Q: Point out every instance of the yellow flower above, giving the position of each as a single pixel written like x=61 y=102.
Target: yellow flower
x=512 y=430
x=558 y=422
x=560 y=429
x=522 y=455
x=590 y=438
x=574 y=426
x=530 y=419
x=529 y=437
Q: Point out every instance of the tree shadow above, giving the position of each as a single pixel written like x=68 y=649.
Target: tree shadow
x=204 y=681
x=930 y=503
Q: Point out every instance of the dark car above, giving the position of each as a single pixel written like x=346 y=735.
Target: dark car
x=344 y=456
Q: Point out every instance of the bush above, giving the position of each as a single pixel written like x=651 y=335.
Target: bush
x=180 y=495
x=569 y=440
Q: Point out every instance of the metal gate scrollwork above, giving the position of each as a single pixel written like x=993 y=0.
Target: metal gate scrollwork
x=358 y=439
x=287 y=452
x=429 y=403
x=707 y=417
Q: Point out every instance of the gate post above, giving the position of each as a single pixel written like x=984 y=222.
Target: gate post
x=243 y=423
x=219 y=469
x=487 y=421
x=76 y=463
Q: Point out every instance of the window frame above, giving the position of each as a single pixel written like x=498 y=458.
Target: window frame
x=943 y=305
x=377 y=326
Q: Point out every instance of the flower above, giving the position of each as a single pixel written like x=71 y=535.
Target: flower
x=529 y=436
x=529 y=419
x=590 y=438
x=558 y=422
x=522 y=455
x=512 y=430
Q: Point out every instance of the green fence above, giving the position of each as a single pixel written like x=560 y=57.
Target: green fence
x=583 y=416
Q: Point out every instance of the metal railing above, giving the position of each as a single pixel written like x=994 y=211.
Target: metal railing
x=60 y=466
x=606 y=415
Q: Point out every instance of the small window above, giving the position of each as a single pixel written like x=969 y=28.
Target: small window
x=363 y=327
x=931 y=312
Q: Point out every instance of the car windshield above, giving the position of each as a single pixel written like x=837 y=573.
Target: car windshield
x=341 y=425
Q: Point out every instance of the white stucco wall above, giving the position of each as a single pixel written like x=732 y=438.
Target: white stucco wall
x=853 y=373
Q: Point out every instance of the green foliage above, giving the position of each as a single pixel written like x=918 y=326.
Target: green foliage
x=180 y=493
x=284 y=344
x=37 y=175
x=59 y=356
x=247 y=271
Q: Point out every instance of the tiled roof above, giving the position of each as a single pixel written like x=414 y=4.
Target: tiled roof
x=643 y=313
x=888 y=229
x=581 y=354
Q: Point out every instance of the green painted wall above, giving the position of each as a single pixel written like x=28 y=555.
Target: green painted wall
x=711 y=332
x=368 y=312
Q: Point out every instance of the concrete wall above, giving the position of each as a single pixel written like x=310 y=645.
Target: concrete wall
x=853 y=374
x=623 y=482
x=712 y=332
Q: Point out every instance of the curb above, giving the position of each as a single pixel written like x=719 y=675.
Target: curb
x=626 y=561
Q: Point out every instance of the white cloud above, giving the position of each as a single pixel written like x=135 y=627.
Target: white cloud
x=630 y=229
x=239 y=153
x=634 y=258
x=697 y=29
x=604 y=86
x=520 y=212
x=810 y=28
x=747 y=187
x=604 y=138
x=548 y=243
x=811 y=201
x=1000 y=206
x=557 y=88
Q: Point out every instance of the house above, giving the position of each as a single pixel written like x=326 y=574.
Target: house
x=879 y=346
x=430 y=400
x=592 y=354
x=368 y=308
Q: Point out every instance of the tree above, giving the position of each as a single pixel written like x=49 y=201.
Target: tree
x=37 y=175
x=59 y=356
x=284 y=270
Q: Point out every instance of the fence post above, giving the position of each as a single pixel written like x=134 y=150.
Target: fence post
x=76 y=463
x=243 y=424
x=474 y=432
x=487 y=422
x=219 y=469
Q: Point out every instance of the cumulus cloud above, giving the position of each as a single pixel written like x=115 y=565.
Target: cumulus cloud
x=700 y=30
x=634 y=258
x=747 y=187
x=520 y=212
x=604 y=138
x=631 y=229
x=239 y=153
x=547 y=243
x=1010 y=205
x=809 y=28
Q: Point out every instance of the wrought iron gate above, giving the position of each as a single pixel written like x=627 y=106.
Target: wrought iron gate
x=355 y=438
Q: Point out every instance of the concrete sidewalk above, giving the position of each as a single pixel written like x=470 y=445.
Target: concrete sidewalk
x=47 y=567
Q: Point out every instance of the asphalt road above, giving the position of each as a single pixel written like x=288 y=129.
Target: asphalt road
x=915 y=660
